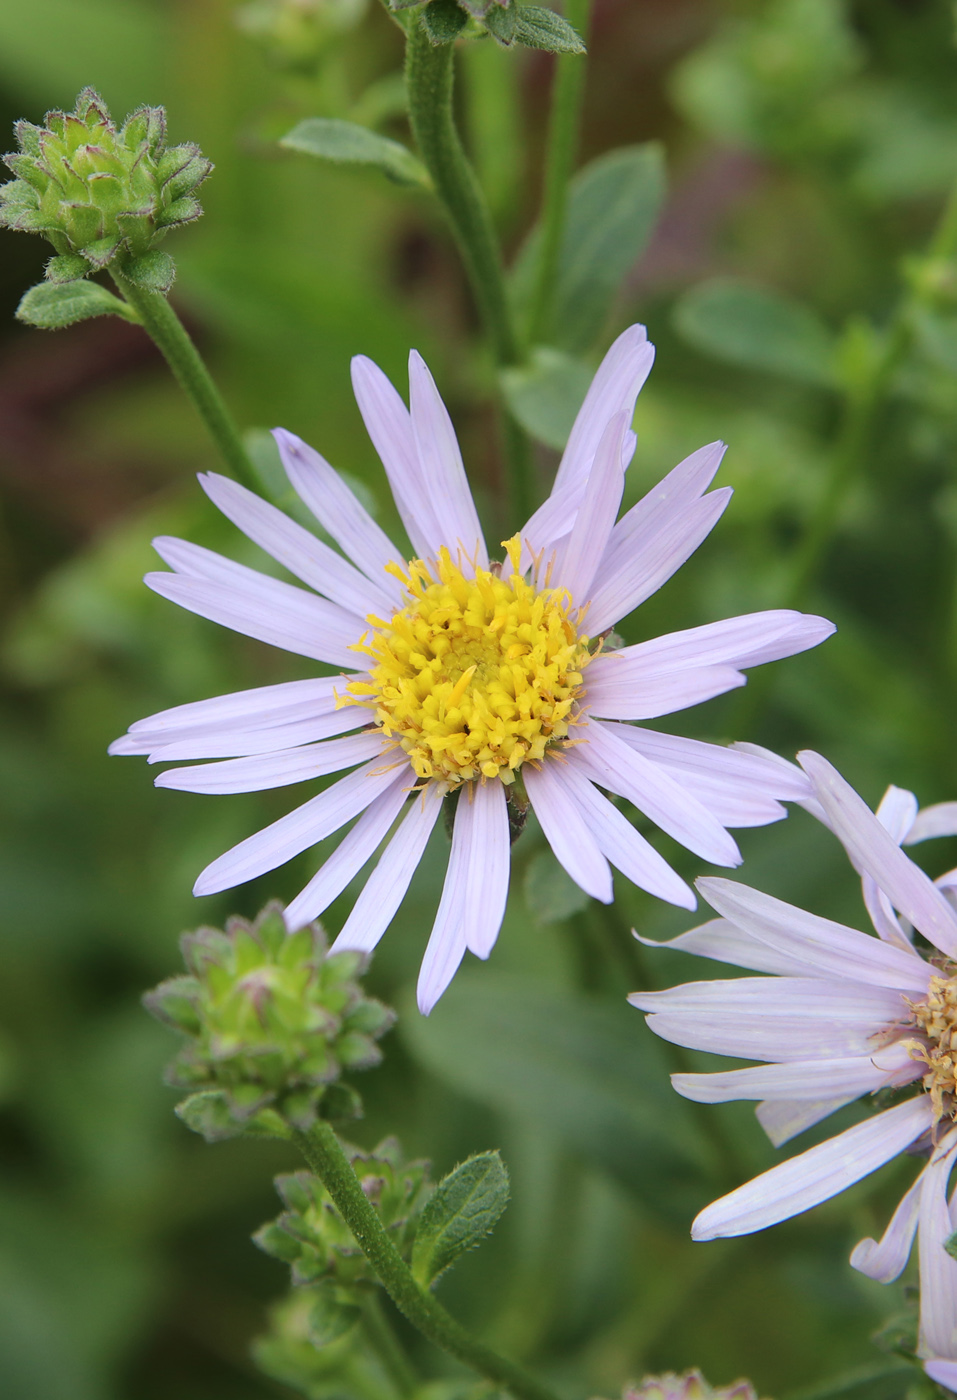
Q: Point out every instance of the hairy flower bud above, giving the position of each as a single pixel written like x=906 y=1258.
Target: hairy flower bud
x=312 y=1237
x=99 y=193
x=689 y=1386
x=272 y=1020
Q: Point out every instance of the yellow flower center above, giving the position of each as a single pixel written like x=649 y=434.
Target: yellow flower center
x=472 y=676
x=936 y=1019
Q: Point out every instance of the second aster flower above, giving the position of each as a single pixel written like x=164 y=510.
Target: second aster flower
x=481 y=678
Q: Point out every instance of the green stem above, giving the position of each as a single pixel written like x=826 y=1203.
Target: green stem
x=167 y=331
x=429 y=77
x=568 y=93
x=322 y=1151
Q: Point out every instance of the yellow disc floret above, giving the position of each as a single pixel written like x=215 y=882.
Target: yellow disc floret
x=472 y=676
x=936 y=1019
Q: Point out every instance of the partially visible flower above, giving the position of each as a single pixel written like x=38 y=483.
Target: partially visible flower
x=847 y=1014
x=689 y=1386
x=495 y=683
x=100 y=193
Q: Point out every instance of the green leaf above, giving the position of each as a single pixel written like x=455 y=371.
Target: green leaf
x=612 y=208
x=757 y=328
x=208 y=1113
x=462 y=1210
x=67 y=267
x=583 y=1069
x=538 y=28
x=501 y=24
x=154 y=271
x=550 y=892
x=349 y=144
x=443 y=21
x=51 y=305
x=545 y=394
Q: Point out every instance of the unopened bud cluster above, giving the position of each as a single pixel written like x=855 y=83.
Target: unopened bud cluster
x=507 y=21
x=272 y=1020
x=689 y=1386
x=102 y=194
x=312 y=1237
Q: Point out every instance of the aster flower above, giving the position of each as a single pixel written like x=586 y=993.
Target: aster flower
x=482 y=680
x=847 y=1014
x=691 y=1385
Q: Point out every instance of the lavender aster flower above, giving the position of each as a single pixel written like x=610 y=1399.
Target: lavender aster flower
x=480 y=678
x=847 y=1014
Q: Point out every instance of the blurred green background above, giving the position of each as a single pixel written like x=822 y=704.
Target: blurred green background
x=809 y=146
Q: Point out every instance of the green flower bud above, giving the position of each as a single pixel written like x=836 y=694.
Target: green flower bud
x=100 y=194
x=690 y=1386
x=312 y=1237
x=271 y=1020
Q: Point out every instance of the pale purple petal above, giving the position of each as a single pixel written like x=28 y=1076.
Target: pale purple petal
x=625 y=584
x=938 y=1271
x=269 y=770
x=264 y=608
x=784 y=1119
x=297 y=549
x=618 y=840
x=611 y=693
x=299 y=829
x=578 y=559
x=608 y=759
x=829 y=948
x=726 y=943
x=663 y=505
x=885 y=1260
x=351 y=854
x=389 y=426
x=566 y=831
x=338 y=509
x=775 y=1029
x=874 y=851
x=238 y=743
x=755 y=773
x=614 y=389
x=261 y=707
x=848 y=1076
x=943 y=1372
x=816 y=1175
x=886 y=923
x=446 y=946
x=937 y=820
x=897 y=812
x=483 y=812
x=443 y=472
x=385 y=888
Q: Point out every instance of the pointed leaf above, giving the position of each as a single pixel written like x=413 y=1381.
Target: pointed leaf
x=758 y=328
x=348 y=144
x=462 y=1210
x=51 y=305
x=538 y=28
x=545 y=394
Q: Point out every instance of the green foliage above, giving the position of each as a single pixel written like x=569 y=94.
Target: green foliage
x=443 y=21
x=756 y=327
x=102 y=194
x=271 y=1022
x=51 y=305
x=539 y=28
x=546 y=393
x=613 y=205
x=345 y=143
x=463 y=1209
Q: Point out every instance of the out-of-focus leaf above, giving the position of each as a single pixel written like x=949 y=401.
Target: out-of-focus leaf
x=345 y=143
x=753 y=326
x=890 y=1381
x=550 y=892
x=51 y=305
x=937 y=338
x=463 y=1209
x=612 y=207
x=545 y=394
x=585 y=1070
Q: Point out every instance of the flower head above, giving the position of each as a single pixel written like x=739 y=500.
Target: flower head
x=481 y=677
x=691 y=1385
x=847 y=1013
x=99 y=192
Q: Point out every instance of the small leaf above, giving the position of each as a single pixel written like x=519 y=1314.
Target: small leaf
x=51 y=305
x=208 y=1113
x=612 y=208
x=443 y=21
x=67 y=267
x=550 y=893
x=501 y=24
x=538 y=28
x=545 y=394
x=462 y=1210
x=349 y=144
x=154 y=271
x=757 y=328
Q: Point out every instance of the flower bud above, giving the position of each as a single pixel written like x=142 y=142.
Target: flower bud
x=312 y=1237
x=100 y=194
x=689 y=1386
x=272 y=1020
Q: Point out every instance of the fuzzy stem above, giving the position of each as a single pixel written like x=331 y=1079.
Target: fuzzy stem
x=322 y=1151
x=168 y=333
x=568 y=91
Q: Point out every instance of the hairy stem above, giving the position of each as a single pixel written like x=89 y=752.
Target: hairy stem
x=168 y=333
x=322 y=1151
x=568 y=91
